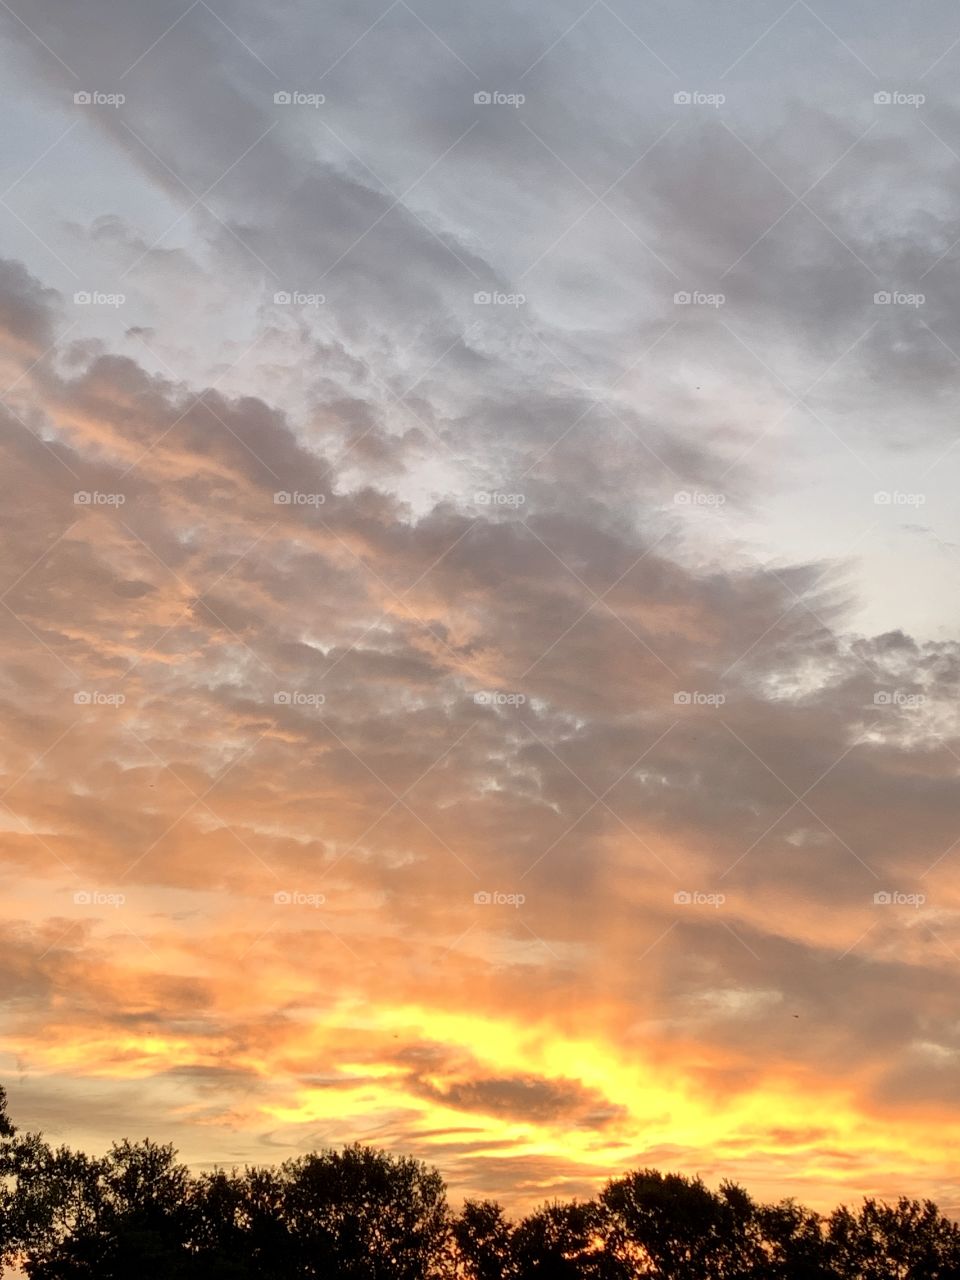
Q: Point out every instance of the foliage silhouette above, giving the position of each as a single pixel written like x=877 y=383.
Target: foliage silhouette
x=362 y=1214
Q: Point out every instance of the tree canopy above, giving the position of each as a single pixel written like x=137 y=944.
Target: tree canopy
x=363 y=1214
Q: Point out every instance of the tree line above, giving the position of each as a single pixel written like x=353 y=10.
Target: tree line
x=358 y=1213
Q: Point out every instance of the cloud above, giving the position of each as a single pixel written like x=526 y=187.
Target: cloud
x=444 y=741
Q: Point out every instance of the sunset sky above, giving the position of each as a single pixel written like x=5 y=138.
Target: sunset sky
x=479 y=586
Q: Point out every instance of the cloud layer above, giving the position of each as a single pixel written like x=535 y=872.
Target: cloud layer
x=440 y=545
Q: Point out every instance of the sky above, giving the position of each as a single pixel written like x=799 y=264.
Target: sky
x=479 y=578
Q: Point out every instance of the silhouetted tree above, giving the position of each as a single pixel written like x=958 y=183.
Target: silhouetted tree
x=907 y=1241
x=9 y=1208
x=7 y=1129
x=47 y=1196
x=361 y=1214
x=565 y=1242
x=793 y=1242
x=484 y=1244
x=675 y=1228
x=127 y=1215
x=239 y=1226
